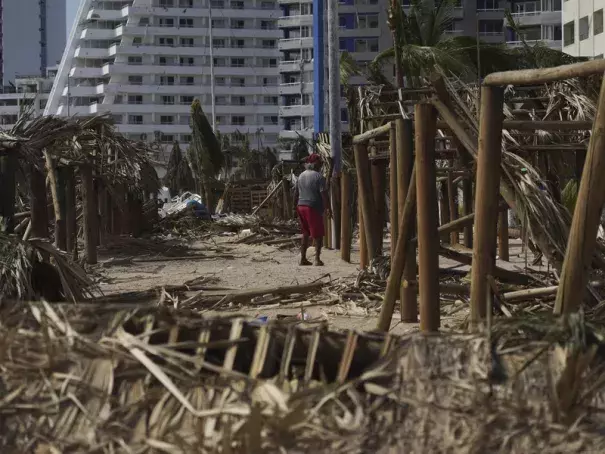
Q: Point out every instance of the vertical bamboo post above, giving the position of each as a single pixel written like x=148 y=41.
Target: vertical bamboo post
x=467 y=194
x=89 y=208
x=71 y=224
x=363 y=247
x=486 y=206
x=405 y=163
x=426 y=201
x=452 y=193
x=328 y=232
x=335 y=201
x=503 y=247
x=583 y=234
x=393 y=206
x=378 y=175
x=38 y=204
x=364 y=184
x=345 y=216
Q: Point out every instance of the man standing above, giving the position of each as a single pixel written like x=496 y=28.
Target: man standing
x=312 y=201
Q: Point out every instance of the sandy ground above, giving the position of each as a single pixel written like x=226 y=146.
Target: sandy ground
x=260 y=266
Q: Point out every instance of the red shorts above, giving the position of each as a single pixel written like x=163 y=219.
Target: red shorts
x=311 y=221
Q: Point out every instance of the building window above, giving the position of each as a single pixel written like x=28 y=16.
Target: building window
x=187 y=42
x=166 y=119
x=218 y=4
x=187 y=61
x=219 y=81
x=143 y=21
x=268 y=43
x=237 y=120
x=267 y=5
x=186 y=138
x=117 y=119
x=487 y=5
x=238 y=100
x=135 y=119
x=186 y=3
x=186 y=100
x=168 y=100
x=135 y=99
x=220 y=100
x=184 y=119
x=490 y=27
x=187 y=80
x=237 y=4
x=270 y=120
x=344 y=115
x=267 y=25
x=166 y=80
x=218 y=23
x=166 y=22
x=237 y=24
x=135 y=80
x=219 y=62
x=238 y=82
x=238 y=43
x=270 y=100
x=137 y=40
x=135 y=60
x=166 y=138
x=186 y=23
x=569 y=33
x=584 y=28
x=598 y=22
x=218 y=43
x=167 y=3
x=238 y=62
x=166 y=42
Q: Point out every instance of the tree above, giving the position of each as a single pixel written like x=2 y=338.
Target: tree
x=300 y=149
x=174 y=162
x=205 y=153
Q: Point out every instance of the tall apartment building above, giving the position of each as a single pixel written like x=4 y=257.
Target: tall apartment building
x=145 y=61
x=303 y=66
x=583 y=28
x=32 y=36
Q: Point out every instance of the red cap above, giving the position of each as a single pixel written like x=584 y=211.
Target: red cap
x=312 y=159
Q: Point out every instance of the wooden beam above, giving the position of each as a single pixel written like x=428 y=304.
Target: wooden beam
x=393 y=206
x=545 y=75
x=371 y=134
x=486 y=206
x=583 y=234
x=364 y=185
x=426 y=201
x=405 y=164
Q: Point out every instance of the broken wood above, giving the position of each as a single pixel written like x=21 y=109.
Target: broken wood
x=271 y=194
x=364 y=185
x=535 y=293
x=371 y=134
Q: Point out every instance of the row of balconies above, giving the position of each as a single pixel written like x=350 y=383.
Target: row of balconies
x=194 y=90
x=110 y=69
x=119 y=49
x=96 y=14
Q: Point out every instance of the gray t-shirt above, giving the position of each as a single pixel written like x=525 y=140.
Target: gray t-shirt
x=310 y=186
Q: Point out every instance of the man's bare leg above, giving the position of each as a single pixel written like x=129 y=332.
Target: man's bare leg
x=318 y=244
x=304 y=245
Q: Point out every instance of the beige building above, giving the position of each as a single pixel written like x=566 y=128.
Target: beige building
x=583 y=28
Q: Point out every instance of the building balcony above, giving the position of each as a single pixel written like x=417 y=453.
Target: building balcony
x=298 y=110
x=552 y=43
x=259 y=13
x=294 y=88
x=84 y=91
x=537 y=18
x=293 y=134
x=303 y=20
x=295 y=43
x=106 y=14
x=82 y=52
x=296 y=2
x=99 y=33
x=292 y=66
x=85 y=73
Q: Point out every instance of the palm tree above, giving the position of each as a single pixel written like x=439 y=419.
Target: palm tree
x=205 y=153
x=178 y=176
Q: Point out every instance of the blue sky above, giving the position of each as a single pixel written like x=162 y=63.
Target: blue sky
x=72 y=7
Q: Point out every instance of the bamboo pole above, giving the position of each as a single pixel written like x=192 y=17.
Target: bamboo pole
x=89 y=209
x=393 y=206
x=452 y=192
x=378 y=174
x=405 y=163
x=38 y=204
x=345 y=216
x=486 y=206
x=71 y=224
x=364 y=184
x=583 y=234
x=503 y=247
x=545 y=75
x=363 y=247
x=467 y=198
x=394 y=282
x=371 y=134
x=426 y=196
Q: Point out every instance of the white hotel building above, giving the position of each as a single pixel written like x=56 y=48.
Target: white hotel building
x=583 y=28
x=145 y=61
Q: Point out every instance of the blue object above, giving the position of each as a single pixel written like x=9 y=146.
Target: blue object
x=199 y=209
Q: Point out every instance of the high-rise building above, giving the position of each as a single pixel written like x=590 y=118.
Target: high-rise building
x=583 y=28
x=32 y=36
x=303 y=67
x=145 y=61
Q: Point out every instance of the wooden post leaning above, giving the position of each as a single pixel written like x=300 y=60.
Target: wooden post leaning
x=487 y=193
x=584 y=226
x=405 y=164
x=364 y=185
x=393 y=205
x=426 y=201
